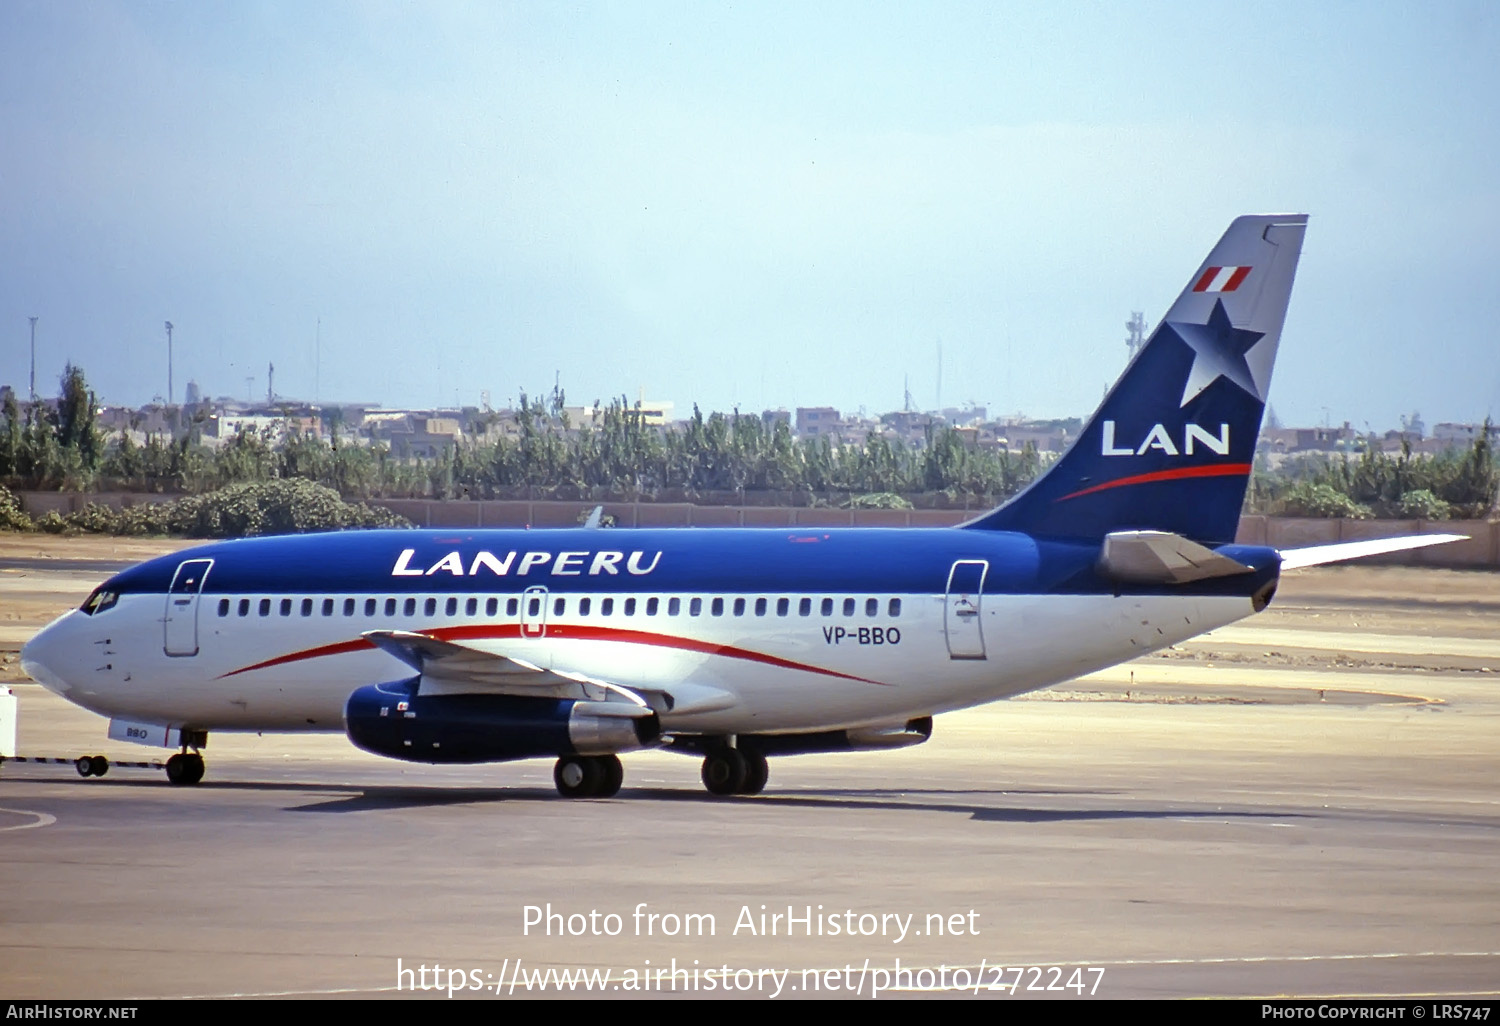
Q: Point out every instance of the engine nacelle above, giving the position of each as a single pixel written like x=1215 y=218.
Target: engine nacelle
x=394 y=721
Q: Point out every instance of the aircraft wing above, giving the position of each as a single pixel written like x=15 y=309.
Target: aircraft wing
x=453 y=667
x=1317 y=555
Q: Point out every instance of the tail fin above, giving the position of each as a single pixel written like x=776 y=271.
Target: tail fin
x=1171 y=446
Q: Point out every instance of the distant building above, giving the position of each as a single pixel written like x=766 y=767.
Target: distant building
x=813 y=421
x=221 y=427
x=770 y=418
x=1463 y=434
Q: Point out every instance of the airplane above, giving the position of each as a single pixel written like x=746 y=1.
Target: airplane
x=730 y=645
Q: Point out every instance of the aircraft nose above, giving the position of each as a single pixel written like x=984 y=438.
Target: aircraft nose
x=44 y=656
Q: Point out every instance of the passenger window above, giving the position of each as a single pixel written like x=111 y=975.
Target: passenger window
x=783 y=606
x=674 y=606
x=286 y=607
x=471 y=607
x=429 y=608
x=244 y=607
x=371 y=605
x=848 y=607
x=583 y=606
x=739 y=607
x=630 y=607
x=223 y=607
x=534 y=606
x=511 y=606
x=895 y=607
x=451 y=609
x=695 y=607
x=804 y=608
x=872 y=607
x=760 y=607
x=559 y=606
x=409 y=608
x=606 y=607
x=328 y=607
x=827 y=607
x=265 y=607
x=390 y=607
x=307 y=607
x=348 y=607
x=718 y=607
x=651 y=607
x=491 y=606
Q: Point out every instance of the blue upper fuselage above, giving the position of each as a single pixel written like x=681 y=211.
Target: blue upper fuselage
x=724 y=561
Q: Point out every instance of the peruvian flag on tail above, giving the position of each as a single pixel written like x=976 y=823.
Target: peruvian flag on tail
x=1221 y=279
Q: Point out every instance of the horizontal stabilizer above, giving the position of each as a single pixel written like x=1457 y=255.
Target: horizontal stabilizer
x=1160 y=557
x=1317 y=555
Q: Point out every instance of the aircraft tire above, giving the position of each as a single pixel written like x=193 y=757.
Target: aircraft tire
x=195 y=768
x=757 y=772
x=84 y=766
x=98 y=765
x=611 y=776
x=577 y=776
x=724 y=772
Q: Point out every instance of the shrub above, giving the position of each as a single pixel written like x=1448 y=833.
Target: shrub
x=286 y=506
x=283 y=506
x=1421 y=504
x=12 y=516
x=1321 y=500
x=878 y=500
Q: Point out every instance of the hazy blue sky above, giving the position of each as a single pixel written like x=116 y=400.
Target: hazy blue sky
x=753 y=204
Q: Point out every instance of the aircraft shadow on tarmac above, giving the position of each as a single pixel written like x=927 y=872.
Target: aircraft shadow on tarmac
x=350 y=797
x=373 y=799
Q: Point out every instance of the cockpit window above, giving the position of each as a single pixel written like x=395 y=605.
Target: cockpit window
x=99 y=601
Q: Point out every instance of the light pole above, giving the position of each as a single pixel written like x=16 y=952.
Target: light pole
x=169 y=363
x=33 y=359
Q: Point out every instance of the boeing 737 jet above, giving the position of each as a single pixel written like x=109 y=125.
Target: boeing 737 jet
x=457 y=646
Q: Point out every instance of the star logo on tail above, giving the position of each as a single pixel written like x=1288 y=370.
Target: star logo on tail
x=1219 y=350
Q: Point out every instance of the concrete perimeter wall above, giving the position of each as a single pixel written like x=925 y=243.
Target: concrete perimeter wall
x=1481 y=550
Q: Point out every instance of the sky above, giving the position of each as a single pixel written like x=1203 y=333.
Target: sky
x=749 y=205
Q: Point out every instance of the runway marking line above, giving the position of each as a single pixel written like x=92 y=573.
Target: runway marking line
x=42 y=819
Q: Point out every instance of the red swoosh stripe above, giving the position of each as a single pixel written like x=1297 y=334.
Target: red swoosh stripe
x=310 y=653
x=1179 y=474
x=572 y=632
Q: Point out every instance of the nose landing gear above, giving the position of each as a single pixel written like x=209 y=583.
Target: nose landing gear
x=91 y=765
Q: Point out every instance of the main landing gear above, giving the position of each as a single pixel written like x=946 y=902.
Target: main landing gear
x=588 y=776
x=185 y=768
x=729 y=771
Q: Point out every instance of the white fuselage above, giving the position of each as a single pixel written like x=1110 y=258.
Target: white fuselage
x=271 y=667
